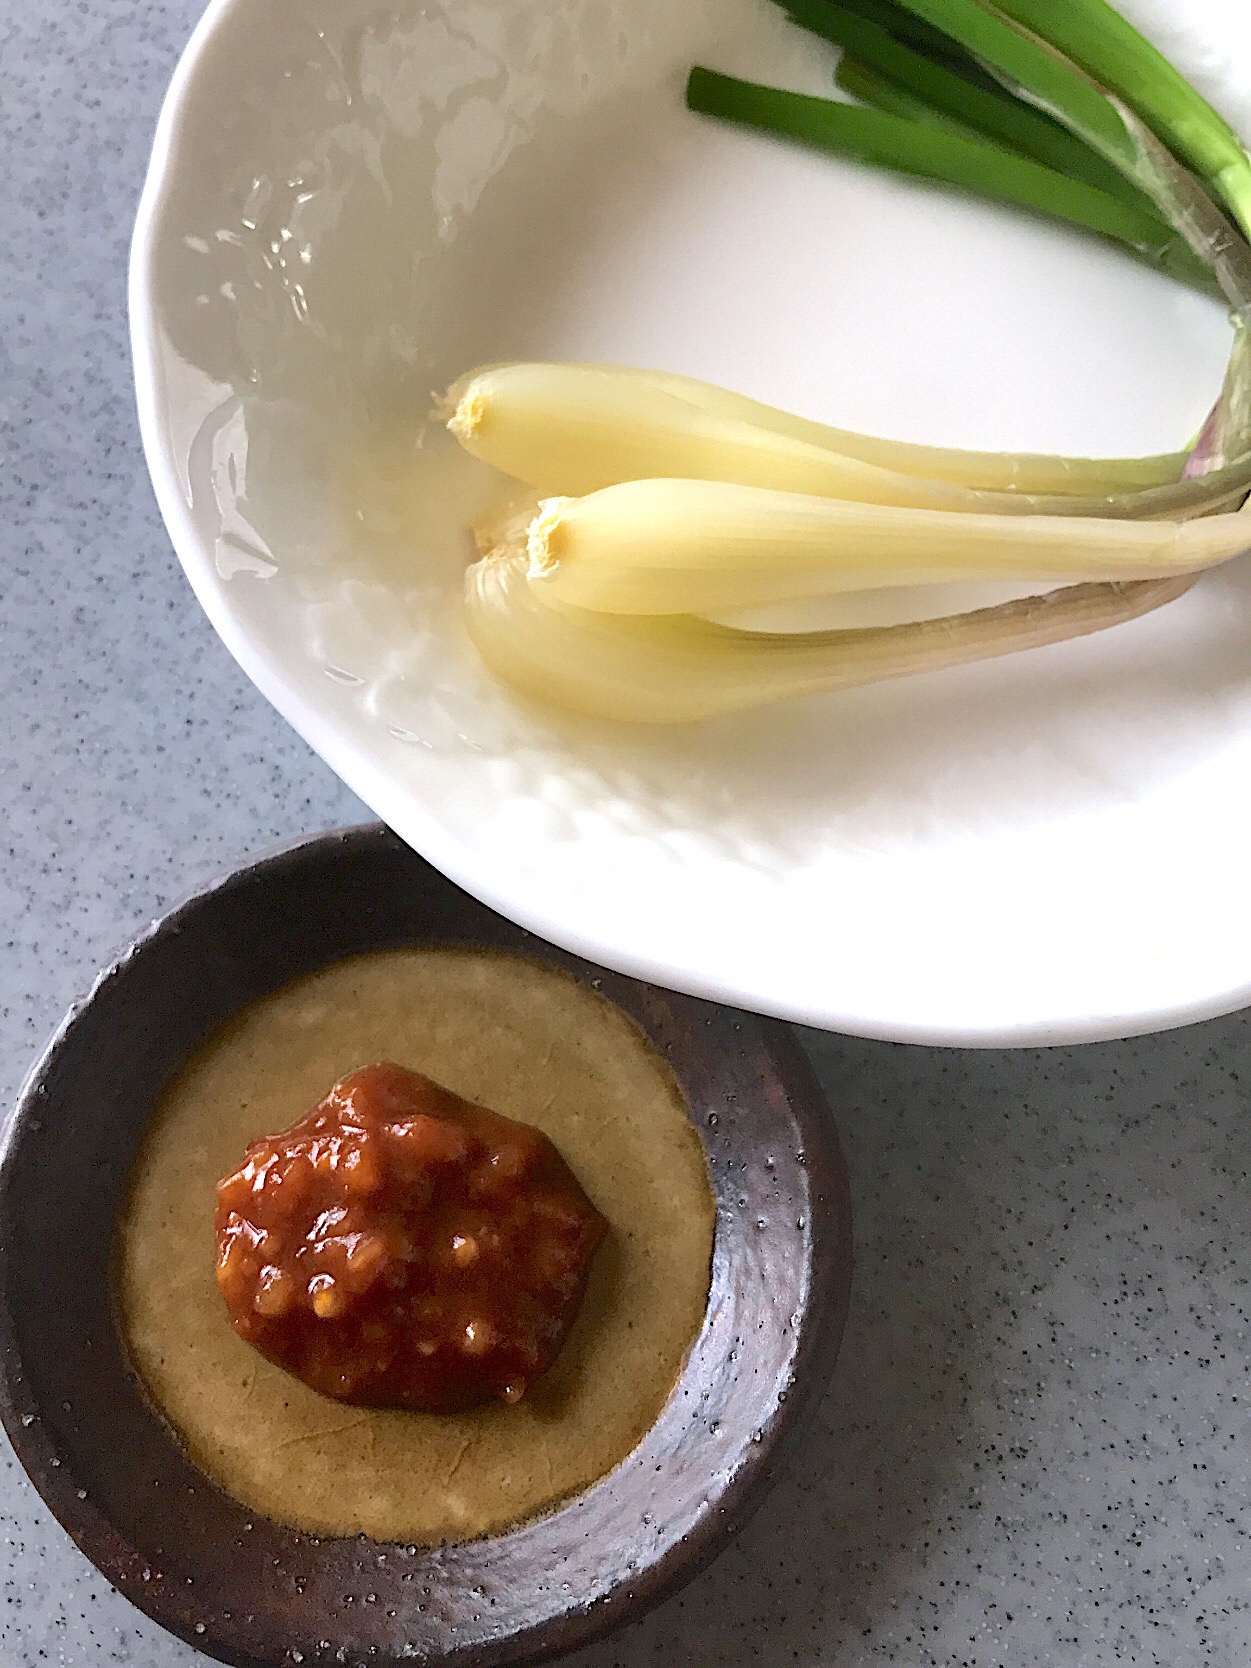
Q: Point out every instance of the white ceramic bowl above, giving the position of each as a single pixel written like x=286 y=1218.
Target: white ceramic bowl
x=350 y=204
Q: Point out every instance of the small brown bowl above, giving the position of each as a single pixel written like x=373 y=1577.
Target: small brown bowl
x=254 y=1592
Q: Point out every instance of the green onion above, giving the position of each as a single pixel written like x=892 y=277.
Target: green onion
x=1099 y=39
x=684 y=500
x=994 y=114
x=1222 y=446
x=698 y=546
x=1030 y=65
x=676 y=669
x=910 y=31
x=931 y=152
x=1026 y=64
x=871 y=87
x=568 y=430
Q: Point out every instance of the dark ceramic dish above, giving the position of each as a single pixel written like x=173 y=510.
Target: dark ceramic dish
x=251 y=1591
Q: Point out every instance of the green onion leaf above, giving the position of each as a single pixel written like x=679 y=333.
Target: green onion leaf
x=931 y=152
x=995 y=114
x=1107 y=47
x=910 y=31
x=1026 y=64
x=871 y=87
x=1030 y=65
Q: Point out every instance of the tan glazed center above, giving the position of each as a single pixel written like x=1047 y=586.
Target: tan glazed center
x=513 y=1036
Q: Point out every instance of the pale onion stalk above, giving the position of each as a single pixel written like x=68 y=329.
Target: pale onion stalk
x=859 y=610
x=574 y=428
x=1023 y=474
x=562 y=431
x=503 y=531
x=675 y=670
x=1224 y=438
x=695 y=547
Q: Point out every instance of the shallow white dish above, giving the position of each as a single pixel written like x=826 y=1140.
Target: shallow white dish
x=350 y=204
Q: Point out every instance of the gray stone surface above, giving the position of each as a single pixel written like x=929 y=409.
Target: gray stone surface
x=1034 y=1450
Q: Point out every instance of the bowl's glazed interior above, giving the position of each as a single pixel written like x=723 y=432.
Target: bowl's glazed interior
x=251 y=1590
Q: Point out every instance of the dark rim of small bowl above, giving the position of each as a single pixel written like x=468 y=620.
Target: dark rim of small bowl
x=254 y=1592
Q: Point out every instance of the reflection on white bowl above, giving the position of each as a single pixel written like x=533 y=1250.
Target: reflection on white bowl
x=349 y=205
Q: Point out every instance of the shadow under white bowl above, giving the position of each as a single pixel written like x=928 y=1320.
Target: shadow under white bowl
x=347 y=206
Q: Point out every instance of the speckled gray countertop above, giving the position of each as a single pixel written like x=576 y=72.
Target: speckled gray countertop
x=1034 y=1451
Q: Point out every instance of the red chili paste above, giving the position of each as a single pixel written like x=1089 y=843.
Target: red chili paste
x=401 y=1247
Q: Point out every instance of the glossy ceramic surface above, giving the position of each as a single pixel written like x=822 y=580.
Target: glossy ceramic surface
x=253 y=1592
x=350 y=203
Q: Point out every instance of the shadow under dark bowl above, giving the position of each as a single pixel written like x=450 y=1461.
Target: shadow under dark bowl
x=255 y=1592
